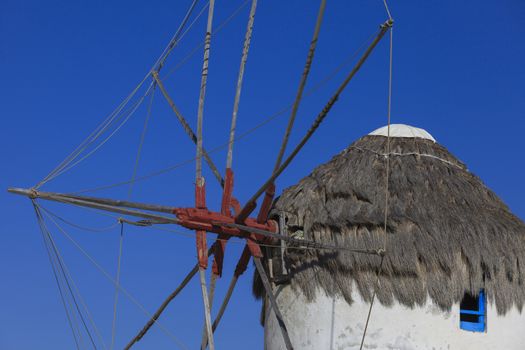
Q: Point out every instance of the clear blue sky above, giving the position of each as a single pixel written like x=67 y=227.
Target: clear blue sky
x=458 y=72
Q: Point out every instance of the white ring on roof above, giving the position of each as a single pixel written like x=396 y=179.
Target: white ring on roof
x=402 y=130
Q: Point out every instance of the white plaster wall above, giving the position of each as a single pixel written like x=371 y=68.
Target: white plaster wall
x=333 y=324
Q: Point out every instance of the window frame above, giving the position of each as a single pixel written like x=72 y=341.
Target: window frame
x=481 y=312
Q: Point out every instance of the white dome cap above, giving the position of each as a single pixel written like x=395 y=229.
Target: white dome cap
x=402 y=130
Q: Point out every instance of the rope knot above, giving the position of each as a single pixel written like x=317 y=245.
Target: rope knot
x=388 y=24
x=33 y=193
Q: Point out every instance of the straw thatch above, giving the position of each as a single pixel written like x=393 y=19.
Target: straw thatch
x=447 y=233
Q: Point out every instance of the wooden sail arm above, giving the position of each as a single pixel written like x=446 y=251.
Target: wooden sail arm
x=187 y=128
x=191 y=218
x=114 y=206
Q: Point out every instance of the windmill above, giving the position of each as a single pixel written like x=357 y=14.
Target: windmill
x=234 y=219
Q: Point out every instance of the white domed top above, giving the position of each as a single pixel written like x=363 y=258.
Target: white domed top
x=402 y=130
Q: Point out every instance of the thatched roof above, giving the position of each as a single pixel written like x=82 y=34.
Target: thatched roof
x=447 y=232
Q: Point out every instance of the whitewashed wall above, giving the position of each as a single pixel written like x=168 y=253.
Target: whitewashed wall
x=333 y=324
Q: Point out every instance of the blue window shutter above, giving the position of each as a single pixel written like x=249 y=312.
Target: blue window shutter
x=474 y=320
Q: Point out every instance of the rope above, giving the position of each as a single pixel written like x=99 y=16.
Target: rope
x=141 y=144
x=67 y=277
x=397 y=154
x=387 y=9
x=243 y=135
x=91 y=138
x=298 y=242
x=195 y=20
x=108 y=276
x=69 y=165
x=69 y=320
x=84 y=228
x=302 y=83
x=58 y=263
x=113 y=115
x=175 y=39
x=117 y=287
x=199 y=46
x=130 y=191
x=244 y=58
x=387 y=165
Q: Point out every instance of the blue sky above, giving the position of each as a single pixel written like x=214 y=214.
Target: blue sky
x=458 y=73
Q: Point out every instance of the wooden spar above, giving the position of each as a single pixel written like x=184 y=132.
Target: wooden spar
x=273 y=302
x=251 y=203
x=207 y=309
x=302 y=83
x=227 y=297
x=213 y=282
x=202 y=94
x=187 y=127
x=164 y=304
x=244 y=58
x=121 y=203
x=224 y=304
x=299 y=242
x=270 y=189
x=102 y=204
x=242 y=264
x=200 y=199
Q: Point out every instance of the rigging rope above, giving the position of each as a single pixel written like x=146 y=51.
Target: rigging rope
x=91 y=138
x=417 y=154
x=387 y=9
x=243 y=135
x=112 y=280
x=67 y=281
x=84 y=228
x=121 y=238
x=67 y=278
x=130 y=113
x=117 y=287
x=51 y=261
x=387 y=166
x=195 y=20
x=70 y=163
x=175 y=39
x=200 y=45
x=104 y=126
